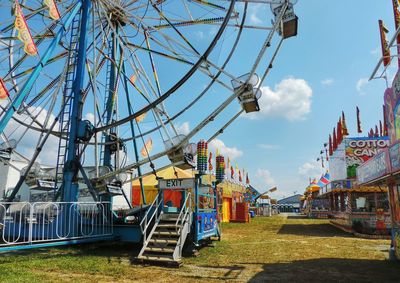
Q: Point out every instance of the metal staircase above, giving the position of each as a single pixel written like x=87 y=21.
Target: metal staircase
x=67 y=98
x=164 y=243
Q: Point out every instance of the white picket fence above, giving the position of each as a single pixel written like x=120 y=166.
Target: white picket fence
x=30 y=223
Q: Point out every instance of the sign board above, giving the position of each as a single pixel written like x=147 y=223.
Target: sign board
x=374 y=168
x=175 y=184
x=394 y=153
x=359 y=150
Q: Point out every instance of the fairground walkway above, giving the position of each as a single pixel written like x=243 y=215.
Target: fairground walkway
x=285 y=248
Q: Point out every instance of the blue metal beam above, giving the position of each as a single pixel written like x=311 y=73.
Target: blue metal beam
x=36 y=72
x=111 y=93
x=71 y=167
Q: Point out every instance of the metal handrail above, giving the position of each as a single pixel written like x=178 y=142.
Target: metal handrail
x=184 y=211
x=155 y=213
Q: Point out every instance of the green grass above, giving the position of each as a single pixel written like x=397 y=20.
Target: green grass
x=275 y=249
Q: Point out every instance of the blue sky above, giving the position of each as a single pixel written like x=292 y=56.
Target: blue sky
x=336 y=49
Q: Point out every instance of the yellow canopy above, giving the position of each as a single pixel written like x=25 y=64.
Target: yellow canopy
x=167 y=173
x=150 y=182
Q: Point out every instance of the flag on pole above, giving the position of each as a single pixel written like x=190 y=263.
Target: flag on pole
x=385 y=129
x=380 y=128
x=4 y=94
x=339 y=134
x=240 y=176
x=359 y=130
x=345 y=132
x=210 y=167
x=335 y=144
x=24 y=34
x=376 y=134
x=232 y=172
x=53 y=10
x=247 y=179
x=384 y=43
x=371 y=133
x=330 y=145
x=148 y=146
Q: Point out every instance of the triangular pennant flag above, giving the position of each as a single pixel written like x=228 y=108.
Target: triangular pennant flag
x=4 y=94
x=345 y=132
x=148 y=146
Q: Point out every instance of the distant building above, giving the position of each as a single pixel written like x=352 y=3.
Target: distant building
x=289 y=204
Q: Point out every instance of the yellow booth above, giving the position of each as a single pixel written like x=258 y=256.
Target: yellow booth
x=150 y=183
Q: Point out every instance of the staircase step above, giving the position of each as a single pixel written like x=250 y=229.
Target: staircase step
x=166 y=258
x=166 y=225
x=166 y=233
x=163 y=241
x=158 y=249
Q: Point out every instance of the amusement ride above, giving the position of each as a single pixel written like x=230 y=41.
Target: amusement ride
x=91 y=95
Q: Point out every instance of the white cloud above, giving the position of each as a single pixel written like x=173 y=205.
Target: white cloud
x=327 y=82
x=231 y=152
x=269 y=146
x=90 y=117
x=254 y=18
x=291 y=99
x=183 y=128
x=311 y=170
x=265 y=177
x=29 y=141
x=361 y=83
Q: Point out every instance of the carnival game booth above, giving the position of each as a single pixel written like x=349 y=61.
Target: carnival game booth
x=354 y=207
x=360 y=210
x=234 y=208
x=150 y=186
x=317 y=205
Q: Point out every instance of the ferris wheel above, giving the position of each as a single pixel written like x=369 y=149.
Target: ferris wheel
x=100 y=85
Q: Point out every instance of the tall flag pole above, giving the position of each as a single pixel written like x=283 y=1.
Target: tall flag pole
x=397 y=25
x=384 y=43
x=359 y=129
x=345 y=132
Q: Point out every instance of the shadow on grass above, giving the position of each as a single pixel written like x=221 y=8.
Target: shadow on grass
x=315 y=230
x=330 y=270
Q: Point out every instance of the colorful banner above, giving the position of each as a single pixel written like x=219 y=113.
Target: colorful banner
x=148 y=146
x=53 y=10
x=4 y=94
x=24 y=33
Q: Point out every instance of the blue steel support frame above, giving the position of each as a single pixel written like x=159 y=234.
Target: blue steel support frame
x=36 y=72
x=112 y=84
x=71 y=167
